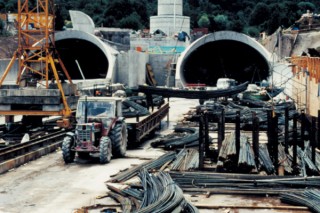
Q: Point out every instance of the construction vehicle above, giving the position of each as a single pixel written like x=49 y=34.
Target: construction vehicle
x=103 y=129
x=100 y=129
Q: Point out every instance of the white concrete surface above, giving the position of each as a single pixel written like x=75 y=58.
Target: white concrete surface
x=82 y=22
x=170 y=18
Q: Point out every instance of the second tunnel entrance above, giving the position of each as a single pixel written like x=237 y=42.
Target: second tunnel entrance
x=223 y=55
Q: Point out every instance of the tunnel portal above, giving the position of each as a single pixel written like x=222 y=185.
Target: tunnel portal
x=223 y=55
x=90 y=58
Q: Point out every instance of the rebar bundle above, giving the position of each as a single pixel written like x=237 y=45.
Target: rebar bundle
x=228 y=148
x=182 y=137
x=187 y=159
x=309 y=198
x=265 y=160
x=154 y=164
x=159 y=194
x=228 y=154
x=306 y=164
x=285 y=160
x=240 y=181
x=246 y=161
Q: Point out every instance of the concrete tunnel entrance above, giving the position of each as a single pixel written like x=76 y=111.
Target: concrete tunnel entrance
x=90 y=58
x=96 y=59
x=223 y=54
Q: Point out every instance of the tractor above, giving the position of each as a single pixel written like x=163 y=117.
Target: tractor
x=100 y=131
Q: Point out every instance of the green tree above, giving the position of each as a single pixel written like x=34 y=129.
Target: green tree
x=11 y=6
x=132 y=22
x=237 y=26
x=252 y=31
x=59 y=21
x=221 y=22
x=204 y=21
x=304 y=6
x=260 y=14
x=2 y=6
x=275 y=20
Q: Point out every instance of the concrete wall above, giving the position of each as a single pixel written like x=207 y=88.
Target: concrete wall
x=160 y=66
x=118 y=38
x=131 y=68
x=170 y=7
x=282 y=76
x=158 y=41
x=12 y=75
x=170 y=24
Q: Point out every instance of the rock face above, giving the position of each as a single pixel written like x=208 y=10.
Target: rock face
x=292 y=43
x=7 y=46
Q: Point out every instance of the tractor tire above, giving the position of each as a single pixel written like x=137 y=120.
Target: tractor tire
x=119 y=138
x=105 y=150
x=67 y=153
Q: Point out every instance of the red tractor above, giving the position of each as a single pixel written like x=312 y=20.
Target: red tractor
x=101 y=130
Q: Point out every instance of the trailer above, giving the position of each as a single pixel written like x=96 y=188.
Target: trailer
x=140 y=127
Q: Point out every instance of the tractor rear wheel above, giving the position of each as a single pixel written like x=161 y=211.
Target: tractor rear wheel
x=67 y=153
x=105 y=150
x=119 y=138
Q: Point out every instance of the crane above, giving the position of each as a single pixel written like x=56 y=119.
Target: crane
x=36 y=53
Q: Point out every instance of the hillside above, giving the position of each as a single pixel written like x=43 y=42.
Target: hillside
x=247 y=16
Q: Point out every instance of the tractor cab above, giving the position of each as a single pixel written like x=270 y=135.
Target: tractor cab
x=91 y=108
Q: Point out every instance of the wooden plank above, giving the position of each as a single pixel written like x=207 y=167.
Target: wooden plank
x=150 y=75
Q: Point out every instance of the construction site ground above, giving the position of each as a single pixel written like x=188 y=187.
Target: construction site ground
x=48 y=185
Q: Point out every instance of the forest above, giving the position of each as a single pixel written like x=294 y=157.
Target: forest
x=247 y=16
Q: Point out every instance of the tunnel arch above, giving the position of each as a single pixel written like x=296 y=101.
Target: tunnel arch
x=223 y=54
x=95 y=58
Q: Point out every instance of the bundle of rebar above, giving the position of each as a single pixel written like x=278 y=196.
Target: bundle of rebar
x=187 y=159
x=240 y=181
x=228 y=155
x=284 y=159
x=154 y=164
x=309 y=198
x=228 y=147
x=182 y=137
x=306 y=164
x=156 y=193
x=246 y=161
x=265 y=160
x=246 y=109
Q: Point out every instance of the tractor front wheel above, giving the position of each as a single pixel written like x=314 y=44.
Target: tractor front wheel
x=105 y=150
x=67 y=153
